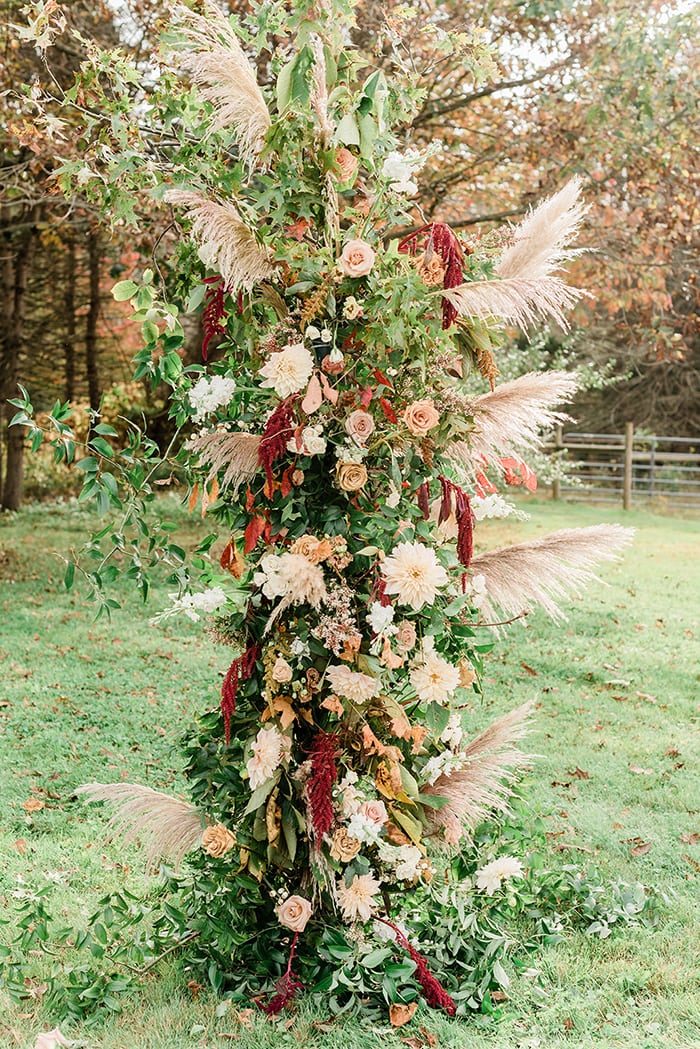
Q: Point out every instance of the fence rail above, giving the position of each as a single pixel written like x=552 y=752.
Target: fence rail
x=630 y=468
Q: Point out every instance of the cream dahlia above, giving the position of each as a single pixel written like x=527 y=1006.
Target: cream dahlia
x=288 y=371
x=358 y=899
x=267 y=754
x=434 y=679
x=350 y=684
x=413 y=572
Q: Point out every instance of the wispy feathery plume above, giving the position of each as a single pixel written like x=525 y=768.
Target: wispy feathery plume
x=546 y=570
x=234 y=453
x=512 y=417
x=225 y=77
x=539 y=243
x=491 y=760
x=516 y=300
x=226 y=243
x=167 y=827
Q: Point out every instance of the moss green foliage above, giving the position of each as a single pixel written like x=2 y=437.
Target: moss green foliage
x=80 y=703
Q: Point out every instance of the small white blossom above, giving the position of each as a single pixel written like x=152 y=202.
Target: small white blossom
x=394 y=497
x=491 y=506
x=206 y=602
x=349 y=452
x=442 y=765
x=399 y=169
x=381 y=619
x=326 y=335
x=312 y=332
x=299 y=648
x=476 y=588
x=312 y=441
x=453 y=732
x=209 y=394
x=490 y=877
x=363 y=829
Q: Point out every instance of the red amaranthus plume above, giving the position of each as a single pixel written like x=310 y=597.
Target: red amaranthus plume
x=424 y=500
x=434 y=993
x=439 y=238
x=240 y=670
x=287 y=987
x=214 y=312
x=324 y=774
x=277 y=432
x=455 y=499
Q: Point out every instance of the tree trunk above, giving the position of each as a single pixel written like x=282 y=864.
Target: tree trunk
x=16 y=276
x=70 y=333
x=93 y=376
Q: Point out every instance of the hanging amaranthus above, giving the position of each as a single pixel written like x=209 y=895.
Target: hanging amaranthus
x=438 y=239
x=324 y=774
x=240 y=670
x=434 y=993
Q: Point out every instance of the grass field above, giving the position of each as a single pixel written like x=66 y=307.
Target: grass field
x=618 y=777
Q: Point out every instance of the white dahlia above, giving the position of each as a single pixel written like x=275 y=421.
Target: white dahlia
x=358 y=899
x=350 y=684
x=288 y=371
x=434 y=679
x=267 y=754
x=413 y=572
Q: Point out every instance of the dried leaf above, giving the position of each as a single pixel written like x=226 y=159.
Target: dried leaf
x=313 y=398
x=689 y=839
x=33 y=805
x=400 y=1014
x=231 y=560
x=641 y=850
x=21 y=846
x=640 y=771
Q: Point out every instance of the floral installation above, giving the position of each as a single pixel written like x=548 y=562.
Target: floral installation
x=334 y=435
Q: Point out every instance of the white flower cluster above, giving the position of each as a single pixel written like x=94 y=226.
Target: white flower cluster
x=208 y=601
x=363 y=829
x=491 y=877
x=399 y=169
x=405 y=860
x=350 y=452
x=312 y=441
x=381 y=619
x=491 y=506
x=442 y=765
x=476 y=588
x=209 y=394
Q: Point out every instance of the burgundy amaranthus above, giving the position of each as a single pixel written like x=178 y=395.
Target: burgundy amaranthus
x=287 y=987
x=324 y=774
x=439 y=238
x=240 y=670
x=424 y=500
x=277 y=432
x=453 y=494
x=434 y=993
x=214 y=312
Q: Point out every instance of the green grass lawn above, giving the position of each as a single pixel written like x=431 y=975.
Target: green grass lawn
x=618 y=776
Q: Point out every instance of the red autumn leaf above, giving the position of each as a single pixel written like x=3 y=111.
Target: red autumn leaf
x=381 y=377
x=231 y=560
x=388 y=410
x=297 y=230
x=256 y=527
x=286 y=483
x=366 y=396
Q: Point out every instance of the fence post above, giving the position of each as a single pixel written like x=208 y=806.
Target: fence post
x=627 y=479
x=558 y=445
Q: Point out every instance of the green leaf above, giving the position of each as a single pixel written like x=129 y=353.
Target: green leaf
x=124 y=289
x=69 y=575
x=347 y=131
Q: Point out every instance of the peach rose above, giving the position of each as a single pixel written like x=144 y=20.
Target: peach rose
x=346 y=164
x=217 y=840
x=375 y=811
x=357 y=258
x=351 y=476
x=405 y=635
x=304 y=545
x=431 y=270
x=294 y=913
x=281 y=671
x=344 y=847
x=359 y=425
x=420 y=417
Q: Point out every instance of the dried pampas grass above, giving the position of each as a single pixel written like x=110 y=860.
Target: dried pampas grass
x=539 y=243
x=166 y=826
x=543 y=571
x=234 y=453
x=225 y=242
x=225 y=77
x=491 y=760
x=511 y=417
x=517 y=300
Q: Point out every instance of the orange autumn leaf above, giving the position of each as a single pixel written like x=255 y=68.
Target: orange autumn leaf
x=194 y=496
x=231 y=560
x=282 y=708
x=33 y=805
x=333 y=704
x=400 y=1013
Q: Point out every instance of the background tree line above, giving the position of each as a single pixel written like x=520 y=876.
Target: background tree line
x=605 y=91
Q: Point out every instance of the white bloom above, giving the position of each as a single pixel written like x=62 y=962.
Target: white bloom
x=209 y=394
x=349 y=452
x=289 y=370
x=434 y=679
x=452 y=735
x=312 y=332
x=206 y=602
x=358 y=899
x=363 y=828
x=312 y=441
x=408 y=869
x=350 y=684
x=441 y=765
x=267 y=755
x=399 y=169
x=491 y=506
x=270 y=577
x=381 y=619
x=350 y=801
x=291 y=576
x=385 y=934
x=352 y=308
x=413 y=572
x=299 y=648
x=326 y=335
x=476 y=588
x=490 y=877
x=394 y=497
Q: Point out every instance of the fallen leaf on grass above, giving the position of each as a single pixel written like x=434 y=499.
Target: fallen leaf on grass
x=693 y=863
x=578 y=773
x=50 y=1039
x=430 y=1038
x=689 y=839
x=420 y=1041
x=640 y=771
x=400 y=1014
x=21 y=846
x=646 y=697
x=641 y=850
x=33 y=805
x=529 y=670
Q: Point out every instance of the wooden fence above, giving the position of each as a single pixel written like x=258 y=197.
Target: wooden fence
x=632 y=469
